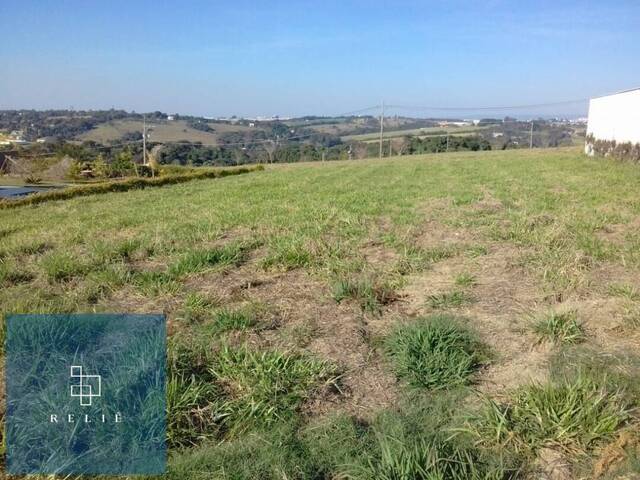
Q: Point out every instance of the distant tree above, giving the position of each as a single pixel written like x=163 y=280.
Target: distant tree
x=270 y=147
x=100 y=167
x=123 y=164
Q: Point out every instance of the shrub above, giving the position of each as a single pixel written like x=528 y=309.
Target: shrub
x=435 y=352
x=623 y=151
x=123 y=186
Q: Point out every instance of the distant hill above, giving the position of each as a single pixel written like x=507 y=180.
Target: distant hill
x=160 y=131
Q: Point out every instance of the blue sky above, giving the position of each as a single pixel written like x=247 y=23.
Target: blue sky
x=313 y=57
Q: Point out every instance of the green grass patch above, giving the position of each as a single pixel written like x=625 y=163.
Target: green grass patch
x=287 y=254
x=371 y=295
x=416 y=259
x=197 y=308
x=227 y=319
x=11 y=275
x=430 y=459
x=62 y=266
x=434 y=353
x=196 y=261
x=193 y=397
x=559 y=328
x=155 y=283
x=573 y=414
x=624 y=290
x=466 y=279
x=264 y=387
x=445 y=300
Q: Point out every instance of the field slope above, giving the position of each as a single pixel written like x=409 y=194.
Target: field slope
x=365 y=318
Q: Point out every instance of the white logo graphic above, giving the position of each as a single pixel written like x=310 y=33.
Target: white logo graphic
x=90 y=386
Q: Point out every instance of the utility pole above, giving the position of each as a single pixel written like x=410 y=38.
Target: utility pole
x=381 y=127
x=144 y=140
x=531 y=136
x=447 y=141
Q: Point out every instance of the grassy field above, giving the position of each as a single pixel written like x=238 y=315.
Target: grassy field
x=453 y=316
x=166 y=131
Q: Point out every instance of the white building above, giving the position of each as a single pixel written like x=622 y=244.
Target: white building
x=614 y=118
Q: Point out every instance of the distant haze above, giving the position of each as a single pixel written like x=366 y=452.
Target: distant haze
x=294 y=58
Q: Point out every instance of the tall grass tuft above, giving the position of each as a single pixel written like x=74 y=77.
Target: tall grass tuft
x=372 y=295
x=572 y=414
x=227 y=319
x=62 y=266
x=263 y=387
x=429 y=459
x=453 y=299
x=559 y=328
x=435 y=352
x=193 y=397
x=195 y=261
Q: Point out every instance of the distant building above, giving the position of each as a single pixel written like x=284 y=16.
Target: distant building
x=170 y=118
x=614 y=123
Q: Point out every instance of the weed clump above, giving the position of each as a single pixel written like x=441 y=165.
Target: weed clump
x=193 y=397
x=435 y=352
x=263 y=387
x=288 y=254
x=466 y=279
x=559 y=328
x=453 y=299
x=571 y=414
x=430 y=459
x=370 y=294
x=227 y=319
x=196 y=261
x=62 y=266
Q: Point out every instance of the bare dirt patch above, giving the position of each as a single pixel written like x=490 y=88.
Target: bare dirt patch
x=436 y=234
x=337 y=333
x=617 y=233
x=503 y=301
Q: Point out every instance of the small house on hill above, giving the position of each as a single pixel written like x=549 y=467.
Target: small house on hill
x=613 y=126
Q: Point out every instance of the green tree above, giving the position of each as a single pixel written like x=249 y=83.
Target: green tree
x=100 y=167
x=123 y=164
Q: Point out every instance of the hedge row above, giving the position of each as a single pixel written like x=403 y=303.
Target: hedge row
x=610 y=148
x=123 y=186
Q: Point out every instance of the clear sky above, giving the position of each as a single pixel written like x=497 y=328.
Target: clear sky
x=218 y=58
